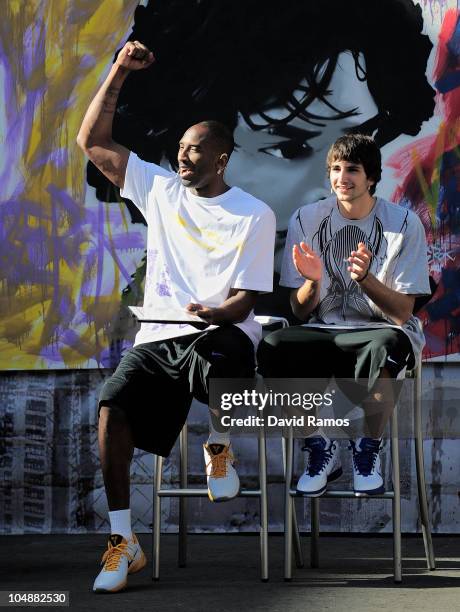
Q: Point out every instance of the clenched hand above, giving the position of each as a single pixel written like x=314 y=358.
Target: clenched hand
x=135 y=56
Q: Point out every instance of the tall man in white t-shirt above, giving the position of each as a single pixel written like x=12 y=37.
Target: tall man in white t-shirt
x=209 y=251
x=354 y=261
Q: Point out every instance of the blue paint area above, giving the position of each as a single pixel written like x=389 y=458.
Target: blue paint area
x=451 y=78
x=443 y=307
x=448 y=209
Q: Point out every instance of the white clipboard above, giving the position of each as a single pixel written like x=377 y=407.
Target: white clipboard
x=148 y=315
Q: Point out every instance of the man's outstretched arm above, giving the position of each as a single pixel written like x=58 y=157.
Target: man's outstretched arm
x=95 y=135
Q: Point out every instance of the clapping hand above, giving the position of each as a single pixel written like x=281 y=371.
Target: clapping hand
x=359 y=261
x=308 y=264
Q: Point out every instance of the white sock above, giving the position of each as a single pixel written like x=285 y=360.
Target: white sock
x=217 y=437
x=120 y=523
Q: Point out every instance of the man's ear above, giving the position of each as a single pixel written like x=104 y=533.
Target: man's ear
x=222 y=162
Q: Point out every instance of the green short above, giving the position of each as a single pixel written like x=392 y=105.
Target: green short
x=319 y=353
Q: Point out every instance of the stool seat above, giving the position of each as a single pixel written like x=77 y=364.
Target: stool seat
x=204 y=493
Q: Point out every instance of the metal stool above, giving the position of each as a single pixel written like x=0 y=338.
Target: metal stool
x=184 y=492
x=394 y=495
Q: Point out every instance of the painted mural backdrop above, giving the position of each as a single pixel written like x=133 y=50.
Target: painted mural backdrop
x=65 y=256
x=289 y=81
x=429 y=182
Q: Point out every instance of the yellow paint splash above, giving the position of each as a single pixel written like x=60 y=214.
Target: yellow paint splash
x=80 y=39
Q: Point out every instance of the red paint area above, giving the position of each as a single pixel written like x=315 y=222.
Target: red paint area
x=429 y=170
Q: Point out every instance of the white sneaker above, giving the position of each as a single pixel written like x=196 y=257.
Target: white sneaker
x=323 y=466
x=367 y=472
x=223 y=481
x=121 y=558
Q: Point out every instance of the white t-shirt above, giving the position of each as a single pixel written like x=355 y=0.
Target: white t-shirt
x=198 y=248
x=396 y=239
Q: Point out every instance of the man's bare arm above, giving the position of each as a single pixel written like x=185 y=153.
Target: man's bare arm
x=308 y=264
x=95 y=135
x=396 y=305
x=305 y=299
x=235 y=309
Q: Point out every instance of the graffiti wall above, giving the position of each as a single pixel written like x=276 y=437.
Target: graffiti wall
x=65 y=256
x=288 y=82
x=428 y=174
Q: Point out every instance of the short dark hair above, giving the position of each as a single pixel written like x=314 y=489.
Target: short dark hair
x=359 y=149
x=221 y=135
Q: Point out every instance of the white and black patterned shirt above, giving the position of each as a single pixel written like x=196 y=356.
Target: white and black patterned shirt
x=396 y=239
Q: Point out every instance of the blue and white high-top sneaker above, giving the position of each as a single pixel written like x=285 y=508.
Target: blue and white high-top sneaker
x=367 y=471
x=323 y=466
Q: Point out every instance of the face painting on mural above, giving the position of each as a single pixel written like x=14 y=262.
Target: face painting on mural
x=287 y=81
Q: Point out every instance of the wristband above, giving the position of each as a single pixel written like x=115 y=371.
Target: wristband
x=361 y=279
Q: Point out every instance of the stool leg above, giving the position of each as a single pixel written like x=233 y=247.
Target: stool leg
x=158 y=470
x=396 y=501
x=314 y=544
x=263 y=505
x=288 y=506
x=420 y=469
x=295 y=527
x=296 y=538
x=183 y=444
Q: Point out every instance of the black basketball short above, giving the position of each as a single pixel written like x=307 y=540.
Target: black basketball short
x=155 y=382
x=320 y=353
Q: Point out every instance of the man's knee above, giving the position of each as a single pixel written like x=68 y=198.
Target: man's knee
x=111 y=418
x=231 y=366
x=269 y=349
x=295 y=352
x=272 y=340
x=388 y=339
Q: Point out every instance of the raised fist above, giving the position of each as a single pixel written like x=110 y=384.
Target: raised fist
x=135 y=56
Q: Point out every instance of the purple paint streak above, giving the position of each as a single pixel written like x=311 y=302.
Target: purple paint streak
x=87 y=62
x=100 y=250
x=41 y=238
x=164 y=288
x=58 y=157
